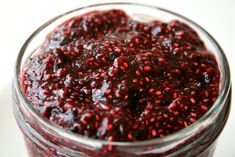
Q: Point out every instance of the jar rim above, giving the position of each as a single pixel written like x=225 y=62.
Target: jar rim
x=224 y=86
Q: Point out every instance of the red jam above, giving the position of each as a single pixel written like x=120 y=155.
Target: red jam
x=107 y=76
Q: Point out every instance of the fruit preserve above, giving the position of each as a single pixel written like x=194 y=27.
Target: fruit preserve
x=120 y=82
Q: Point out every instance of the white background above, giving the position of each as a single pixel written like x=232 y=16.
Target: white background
x=19 y=18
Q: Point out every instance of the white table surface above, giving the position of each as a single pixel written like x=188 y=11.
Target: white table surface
x=19 y=18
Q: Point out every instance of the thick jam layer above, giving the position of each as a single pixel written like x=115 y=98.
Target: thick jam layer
x=107 y=76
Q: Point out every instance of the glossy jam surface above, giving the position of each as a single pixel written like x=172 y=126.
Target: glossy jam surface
x=107 y=76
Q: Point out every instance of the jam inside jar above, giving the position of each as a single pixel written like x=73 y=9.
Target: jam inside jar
x=189 y=136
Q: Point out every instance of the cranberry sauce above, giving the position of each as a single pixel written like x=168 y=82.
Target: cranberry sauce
x=106 y=76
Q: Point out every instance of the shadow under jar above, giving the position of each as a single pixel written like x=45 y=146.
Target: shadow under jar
x=44 y=139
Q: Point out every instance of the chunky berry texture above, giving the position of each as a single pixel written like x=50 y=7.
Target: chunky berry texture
x=106 y=76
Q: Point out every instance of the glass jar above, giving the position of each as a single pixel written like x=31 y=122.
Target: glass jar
x=44 y=139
